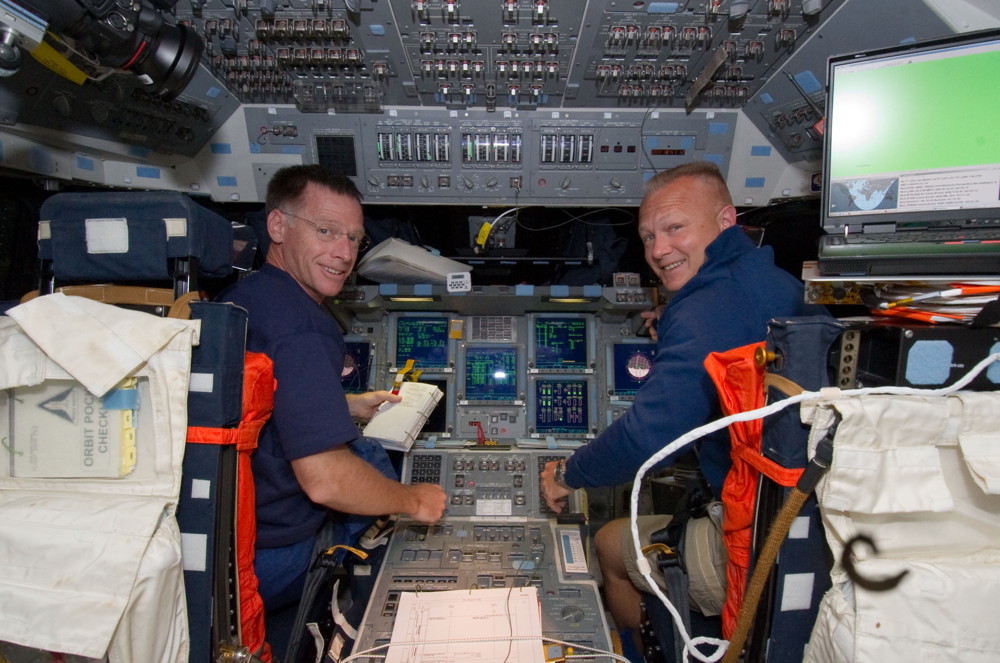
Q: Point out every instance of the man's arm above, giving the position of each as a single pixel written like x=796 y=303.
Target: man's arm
x=678 y=396
x=340 y=480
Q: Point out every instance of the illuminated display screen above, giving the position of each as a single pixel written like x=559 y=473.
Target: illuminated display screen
x=560 y=343
x=632 y=365
x=357 y=362
x=491 y=374
x=424 y=340
x=561 y=406
x=894 y=153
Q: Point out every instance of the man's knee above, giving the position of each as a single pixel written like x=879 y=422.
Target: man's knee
x=607 y=541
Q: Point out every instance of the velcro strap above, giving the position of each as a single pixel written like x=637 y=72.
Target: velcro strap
x=244 y=437
x=783 y=476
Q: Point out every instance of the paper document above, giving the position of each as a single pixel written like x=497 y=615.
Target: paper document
x=397 y=425
x=58 y=429
x=468 y=625
x=571 y=546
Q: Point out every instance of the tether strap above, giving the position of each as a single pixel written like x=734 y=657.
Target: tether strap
x=675 y=579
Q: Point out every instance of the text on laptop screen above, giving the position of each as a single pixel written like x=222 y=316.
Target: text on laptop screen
x=911 y=134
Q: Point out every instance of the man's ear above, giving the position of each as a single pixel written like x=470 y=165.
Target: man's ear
x=727 y=217
x=276 y=226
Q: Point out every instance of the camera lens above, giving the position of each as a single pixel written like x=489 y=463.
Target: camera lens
x=170 y=59
x=131 y=35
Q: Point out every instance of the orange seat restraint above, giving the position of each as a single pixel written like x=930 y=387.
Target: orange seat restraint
x=740 y=383
x=258 y=401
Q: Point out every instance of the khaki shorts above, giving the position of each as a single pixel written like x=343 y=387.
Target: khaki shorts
x=704 y=558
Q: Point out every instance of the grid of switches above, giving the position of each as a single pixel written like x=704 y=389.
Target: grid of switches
x=426 y=469
x=464 y=465
x=492 y=328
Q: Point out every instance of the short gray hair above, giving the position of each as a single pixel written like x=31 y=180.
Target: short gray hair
x=288 y=183
x=704 y=171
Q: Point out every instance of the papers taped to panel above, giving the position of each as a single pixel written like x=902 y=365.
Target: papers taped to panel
x=58 y=429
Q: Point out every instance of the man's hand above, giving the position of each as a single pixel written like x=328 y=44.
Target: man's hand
x=363 y=406
x=652 y=317
x=429 y=499
x=554 y=493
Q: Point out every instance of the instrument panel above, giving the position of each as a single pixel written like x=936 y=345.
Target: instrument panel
x=496 y=534
x=528 y=375
x=535 y=367
x=513 y=102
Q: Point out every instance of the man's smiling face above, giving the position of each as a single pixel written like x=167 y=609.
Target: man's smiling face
x=676 y=224
x=320 y=267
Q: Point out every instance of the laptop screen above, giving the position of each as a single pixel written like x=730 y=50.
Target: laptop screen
x=912 y=138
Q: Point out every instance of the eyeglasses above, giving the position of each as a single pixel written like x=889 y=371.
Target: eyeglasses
x=332 y=233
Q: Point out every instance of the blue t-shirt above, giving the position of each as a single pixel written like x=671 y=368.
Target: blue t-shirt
x=726 y=305
x=310 y=411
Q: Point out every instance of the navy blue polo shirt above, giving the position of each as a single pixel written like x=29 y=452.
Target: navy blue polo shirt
x=310 y=414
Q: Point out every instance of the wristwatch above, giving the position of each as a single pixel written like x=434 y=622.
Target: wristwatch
x=560 y=474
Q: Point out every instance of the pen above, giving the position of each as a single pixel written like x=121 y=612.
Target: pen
x=916 y=314
x=950 y=292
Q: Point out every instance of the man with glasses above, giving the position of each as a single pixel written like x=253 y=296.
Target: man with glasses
x=307 y=463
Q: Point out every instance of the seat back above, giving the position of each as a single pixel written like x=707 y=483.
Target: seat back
x=147 y=251
x=131 y=237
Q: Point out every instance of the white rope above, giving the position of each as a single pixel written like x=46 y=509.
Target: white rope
x=826 y=394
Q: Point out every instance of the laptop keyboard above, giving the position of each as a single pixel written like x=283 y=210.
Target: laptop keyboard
x=911 y=252
x=920 y=236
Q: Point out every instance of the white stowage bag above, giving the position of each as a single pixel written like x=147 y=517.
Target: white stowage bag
x=92 y=566
x=919 y=476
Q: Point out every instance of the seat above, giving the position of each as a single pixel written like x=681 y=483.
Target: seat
x=229 y=400
x=801 y=574
x=151 y=251
x=767 y=461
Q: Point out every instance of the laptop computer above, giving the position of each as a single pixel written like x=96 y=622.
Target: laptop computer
x=911 y=172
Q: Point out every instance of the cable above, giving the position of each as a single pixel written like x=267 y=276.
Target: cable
x=482 y=240
x=642 y=132
x=581 y=218
x=497 y=226
x=510 y=590
x=829 y=393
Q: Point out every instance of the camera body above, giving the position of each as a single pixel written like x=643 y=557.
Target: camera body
x=122 y=35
